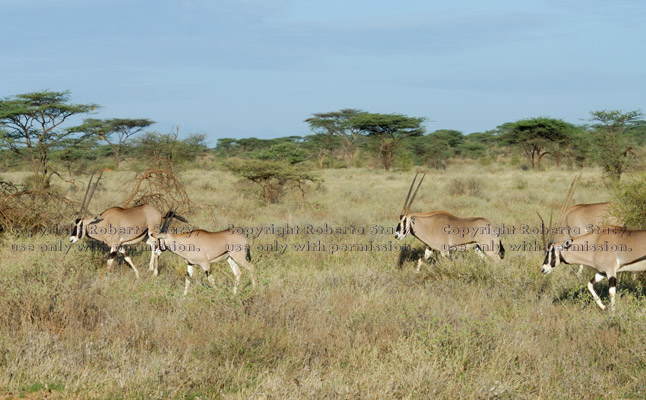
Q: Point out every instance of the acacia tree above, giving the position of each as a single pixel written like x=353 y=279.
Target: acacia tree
x=116 y=132
x=320 y=145
x=479 y=144
x=537 y=137
x=437 y=147
x=389 y=130
x=336 y=124
x=167 y=151
x=613 y=144
x=274 y=169
x=32 y=126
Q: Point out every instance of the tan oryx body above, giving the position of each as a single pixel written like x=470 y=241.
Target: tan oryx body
x=581 y=219
x=200 y=247
x=442 y=231
x=118 y=227
x=609 y=250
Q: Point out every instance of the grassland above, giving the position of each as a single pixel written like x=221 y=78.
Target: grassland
x=352 y=324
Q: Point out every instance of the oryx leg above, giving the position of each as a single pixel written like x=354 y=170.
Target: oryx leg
x=598 y=277
x=580 y=271
x=236 y=273
x=206 y=267
x=612 y=291
x=427 y=255
x=444 y=251
x=154 y=261
x=240 y=258
x=112 y=256
x=187 y=279
x=476 y=247
x=493 y=249
x=210 y=277
x=126 y=257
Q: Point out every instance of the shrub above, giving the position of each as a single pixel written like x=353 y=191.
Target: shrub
x=520 y=183
x=630 y=202
x=468 y=186
x=273 y=177
x=485 y=161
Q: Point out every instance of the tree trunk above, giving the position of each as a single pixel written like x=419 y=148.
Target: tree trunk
x=387 y=151
x=322 y=154
x=538 y=161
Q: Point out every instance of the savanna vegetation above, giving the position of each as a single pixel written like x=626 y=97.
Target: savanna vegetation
x=339 y=311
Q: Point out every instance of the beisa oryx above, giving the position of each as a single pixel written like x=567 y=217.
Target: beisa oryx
x=200 y=247
x=608 y=249
x=582 y=219
x=118 y=227
x=442 y=231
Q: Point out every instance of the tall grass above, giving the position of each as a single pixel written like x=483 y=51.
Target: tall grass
x=348 y=324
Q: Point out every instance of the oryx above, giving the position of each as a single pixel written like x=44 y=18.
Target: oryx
x=609 y=250
x=442 y=231
x=117 y=227
x=200 y=247
x=581 y=219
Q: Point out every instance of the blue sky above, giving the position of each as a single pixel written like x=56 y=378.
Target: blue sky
x=243 y=68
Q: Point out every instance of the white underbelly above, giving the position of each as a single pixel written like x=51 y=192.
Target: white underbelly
x=636 y=267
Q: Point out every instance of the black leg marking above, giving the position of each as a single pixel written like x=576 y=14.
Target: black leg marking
x=612 y=281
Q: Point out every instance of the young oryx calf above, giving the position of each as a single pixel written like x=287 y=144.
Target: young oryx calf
x=442 y=231
x=200 y=247
x=611 y=250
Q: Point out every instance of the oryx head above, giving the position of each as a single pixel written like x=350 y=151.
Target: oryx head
x=553 y=255
x=405 y=219
x=553 y=250
x=163 y=236
x=80 y=224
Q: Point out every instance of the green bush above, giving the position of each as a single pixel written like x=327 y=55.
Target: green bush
x=273 y=177
x=630 y=202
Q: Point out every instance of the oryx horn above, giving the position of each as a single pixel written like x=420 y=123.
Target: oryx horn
x=409 y=192
x=408 y=203
x=564 y=206
x=543 y=237
x=167 y=220
x=416 y=190
x=86 y=199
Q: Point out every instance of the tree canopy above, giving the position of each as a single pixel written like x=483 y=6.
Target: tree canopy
x=614 y=145
x=537 y=137
x=31 y=124
x=388 y=130
x=116 y=132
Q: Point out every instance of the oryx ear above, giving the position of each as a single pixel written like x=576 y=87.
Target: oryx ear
x=567 y=244
x=180 y=218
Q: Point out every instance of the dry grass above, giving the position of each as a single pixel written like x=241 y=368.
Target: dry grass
x=344 y=325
